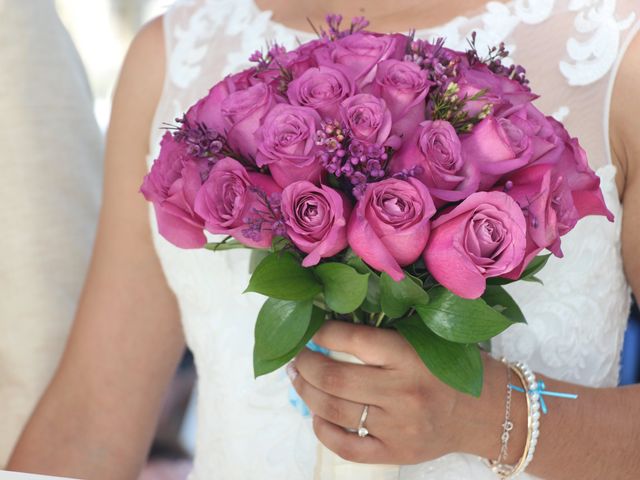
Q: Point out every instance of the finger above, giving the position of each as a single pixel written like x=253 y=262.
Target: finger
x=349 y=445
x=358 y=383
x=374 y=346
x=334 y=409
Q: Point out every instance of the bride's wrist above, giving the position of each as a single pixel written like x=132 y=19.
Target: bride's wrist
x=482 y=419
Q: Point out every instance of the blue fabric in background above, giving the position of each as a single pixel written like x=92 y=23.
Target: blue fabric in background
x=630 y=362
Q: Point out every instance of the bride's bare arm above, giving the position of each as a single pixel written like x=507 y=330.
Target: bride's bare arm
x=98 y=415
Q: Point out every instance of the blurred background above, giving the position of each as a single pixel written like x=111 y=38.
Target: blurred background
x=102 y=31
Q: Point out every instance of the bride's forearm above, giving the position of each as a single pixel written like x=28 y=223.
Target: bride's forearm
x=595 y=436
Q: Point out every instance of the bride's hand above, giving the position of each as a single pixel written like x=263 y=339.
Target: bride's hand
x=412 y=417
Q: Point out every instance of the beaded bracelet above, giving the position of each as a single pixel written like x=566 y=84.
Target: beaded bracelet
x=528 y=380
x=529 y=383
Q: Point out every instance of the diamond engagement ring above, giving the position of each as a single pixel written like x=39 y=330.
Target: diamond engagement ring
x=362 y=431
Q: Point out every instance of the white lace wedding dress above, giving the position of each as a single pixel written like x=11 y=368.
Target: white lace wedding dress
x=571 y=48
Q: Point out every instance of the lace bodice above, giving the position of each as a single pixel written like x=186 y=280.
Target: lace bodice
x=571 y=48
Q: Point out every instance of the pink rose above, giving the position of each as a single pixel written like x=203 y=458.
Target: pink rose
x=322 y=88
x=482 y=237
x=367 y=117
x=171 y=185
x=242 y=113
x=501 y=92
x=299 y=60
x=582 y=180
x=287 y=144
x=231 y=198
x=315 y=220
x=546 y=200
x=207 y=109
x=361 y=53
x=434 y=147
x=404 y=87
x=390 y=225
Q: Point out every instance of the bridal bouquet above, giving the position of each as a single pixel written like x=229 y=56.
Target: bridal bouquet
x=382 y=180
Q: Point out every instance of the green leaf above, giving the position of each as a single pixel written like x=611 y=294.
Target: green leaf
x=281 y=276
x=256 y=257
x=461 y=320
x=371 y=302
x=262 y=366
x=534 y=267
x=458 y=365
x=280 y=326
x=344 y=288
x=397 y=298
x=499 y=299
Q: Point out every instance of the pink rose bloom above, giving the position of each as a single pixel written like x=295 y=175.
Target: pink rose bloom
x=229 y=198
x=390 y=225
x=482 y=237
x=315 y=219
x=242 y=113
x=172 y=185
x=361 y=53
x=207 y=109
x=322 y=89
x=404 y=87
x=550 y=210
x=583 y=182
x=500 y=145
x=299 y=60
x=434 y=147
x=287 y=144
x=367 y=117
x=502 y=92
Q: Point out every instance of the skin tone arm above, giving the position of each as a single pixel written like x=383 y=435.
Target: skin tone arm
x=414 y=418
x=126 y=340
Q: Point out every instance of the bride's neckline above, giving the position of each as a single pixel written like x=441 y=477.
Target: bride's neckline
x=467 y=17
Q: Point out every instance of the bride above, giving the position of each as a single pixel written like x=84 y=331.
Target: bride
x=98 y=414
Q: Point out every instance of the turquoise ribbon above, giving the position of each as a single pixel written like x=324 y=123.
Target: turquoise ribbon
x=541 y=390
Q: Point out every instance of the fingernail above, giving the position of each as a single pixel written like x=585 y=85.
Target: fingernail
x=292 y=371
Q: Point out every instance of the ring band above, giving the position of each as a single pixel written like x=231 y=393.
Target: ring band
x=362 y=430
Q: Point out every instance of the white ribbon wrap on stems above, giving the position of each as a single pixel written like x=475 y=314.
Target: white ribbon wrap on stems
x=330 y=466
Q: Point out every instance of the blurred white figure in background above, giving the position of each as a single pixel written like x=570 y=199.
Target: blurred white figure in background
x=50 y=184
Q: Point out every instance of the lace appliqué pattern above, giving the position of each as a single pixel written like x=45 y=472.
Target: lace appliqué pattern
x=594 y=56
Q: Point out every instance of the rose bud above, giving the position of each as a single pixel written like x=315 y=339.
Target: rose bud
x=287 y=144
x=315 y=220
x=172 y=185
x=231 y=202
x=389 y=227
x=482 y=237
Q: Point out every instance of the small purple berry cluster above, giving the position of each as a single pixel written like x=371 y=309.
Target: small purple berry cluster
x=350 y=158
x=264 y=61
x=267 y=218
x=440 y=63
x=493 y=61
x=201 y=141
x=333 y=23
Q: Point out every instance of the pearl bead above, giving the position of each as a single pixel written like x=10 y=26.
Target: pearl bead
x=535 y=415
